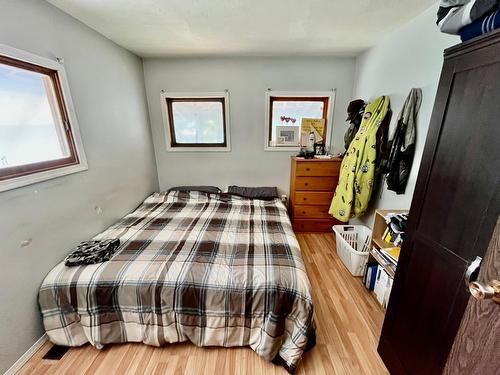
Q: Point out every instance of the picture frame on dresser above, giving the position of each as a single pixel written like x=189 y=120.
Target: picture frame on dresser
x=287 y=135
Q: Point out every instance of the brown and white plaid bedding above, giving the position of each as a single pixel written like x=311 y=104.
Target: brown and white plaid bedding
x=210 y=269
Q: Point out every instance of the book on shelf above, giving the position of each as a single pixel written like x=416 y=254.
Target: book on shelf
x=381 y=282
x=370 y=275
x=385 y=258
x=388 y=260
x=387 y=293
x=391 y=253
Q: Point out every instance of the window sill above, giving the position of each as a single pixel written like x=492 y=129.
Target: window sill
x=287 y=149
x=34 y=178
x=199 y=149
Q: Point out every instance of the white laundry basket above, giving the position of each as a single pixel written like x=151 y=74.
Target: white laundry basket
x=353 y=246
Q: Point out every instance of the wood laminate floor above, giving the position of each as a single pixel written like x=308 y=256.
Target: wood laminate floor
x=348 y=326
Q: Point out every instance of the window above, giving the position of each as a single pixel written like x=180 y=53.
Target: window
x=37 y=135
x=284 y=114
x=197 y=122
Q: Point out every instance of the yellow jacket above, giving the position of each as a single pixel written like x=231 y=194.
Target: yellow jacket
x=357 y=170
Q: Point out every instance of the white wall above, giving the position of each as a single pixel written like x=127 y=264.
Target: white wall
x=410 y=56
x=247 y=79
x=107 y=87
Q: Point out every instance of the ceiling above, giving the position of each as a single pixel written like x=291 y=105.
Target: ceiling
x=154 y=28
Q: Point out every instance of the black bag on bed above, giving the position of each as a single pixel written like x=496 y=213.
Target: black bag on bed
x=92 y=252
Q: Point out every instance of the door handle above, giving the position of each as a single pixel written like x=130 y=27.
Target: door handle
x=489 y=291
x=473 y=271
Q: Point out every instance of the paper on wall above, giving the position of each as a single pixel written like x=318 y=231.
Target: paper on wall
x=315 y=125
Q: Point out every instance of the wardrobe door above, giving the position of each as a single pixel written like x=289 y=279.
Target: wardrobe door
x=454 y=210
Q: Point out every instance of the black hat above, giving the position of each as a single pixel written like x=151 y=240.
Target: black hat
x=353 y=108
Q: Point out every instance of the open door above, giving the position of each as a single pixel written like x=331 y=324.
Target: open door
x=476 y=349
x=453 y=214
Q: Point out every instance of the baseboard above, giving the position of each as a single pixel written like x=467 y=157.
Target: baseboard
x=26 y=356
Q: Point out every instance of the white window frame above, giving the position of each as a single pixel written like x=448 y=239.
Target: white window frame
x=298 y=94
x=36 y=177
x=166 y=125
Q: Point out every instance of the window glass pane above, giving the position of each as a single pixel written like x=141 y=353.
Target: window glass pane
x=291 y=113
x=30 y=122
x=198 y=122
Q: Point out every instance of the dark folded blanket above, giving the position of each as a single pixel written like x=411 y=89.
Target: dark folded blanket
x=92 y=252
x=481 y=26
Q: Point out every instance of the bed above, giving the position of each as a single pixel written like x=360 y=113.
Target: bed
x=213 y=269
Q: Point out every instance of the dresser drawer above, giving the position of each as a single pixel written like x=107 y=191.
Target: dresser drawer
x=326 y=183
x=313 y=198
x=322 y=168
x=311 y=212
x=313 y=225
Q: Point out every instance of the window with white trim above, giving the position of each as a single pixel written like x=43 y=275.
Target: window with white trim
x=196 y=121
x=37 y=132
x=284 y=114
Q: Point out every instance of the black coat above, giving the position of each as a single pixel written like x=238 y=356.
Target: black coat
x=400 y=157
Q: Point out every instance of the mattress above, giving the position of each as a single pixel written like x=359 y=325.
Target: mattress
x=215 y=270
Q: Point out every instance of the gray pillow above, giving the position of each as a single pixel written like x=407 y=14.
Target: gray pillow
x=203 y=189
x=260 y=192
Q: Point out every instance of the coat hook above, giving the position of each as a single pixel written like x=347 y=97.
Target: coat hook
x=162 y=91
x=60 y=60
x=226 y=90
x=269 y=89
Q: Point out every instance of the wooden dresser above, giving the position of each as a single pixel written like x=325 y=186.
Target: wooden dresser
x=312 y=184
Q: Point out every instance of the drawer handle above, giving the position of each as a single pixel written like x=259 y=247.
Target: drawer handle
x=307 y=169
x=305 y=198
x=303 y=212
x=306 y=184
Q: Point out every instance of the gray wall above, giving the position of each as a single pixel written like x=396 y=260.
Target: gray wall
x=247 y=79
x=410 y=56
x=107 y=87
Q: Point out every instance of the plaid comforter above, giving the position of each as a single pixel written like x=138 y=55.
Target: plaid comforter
x=214 y=270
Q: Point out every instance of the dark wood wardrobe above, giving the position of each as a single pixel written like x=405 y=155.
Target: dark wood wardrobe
x=455 y=206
